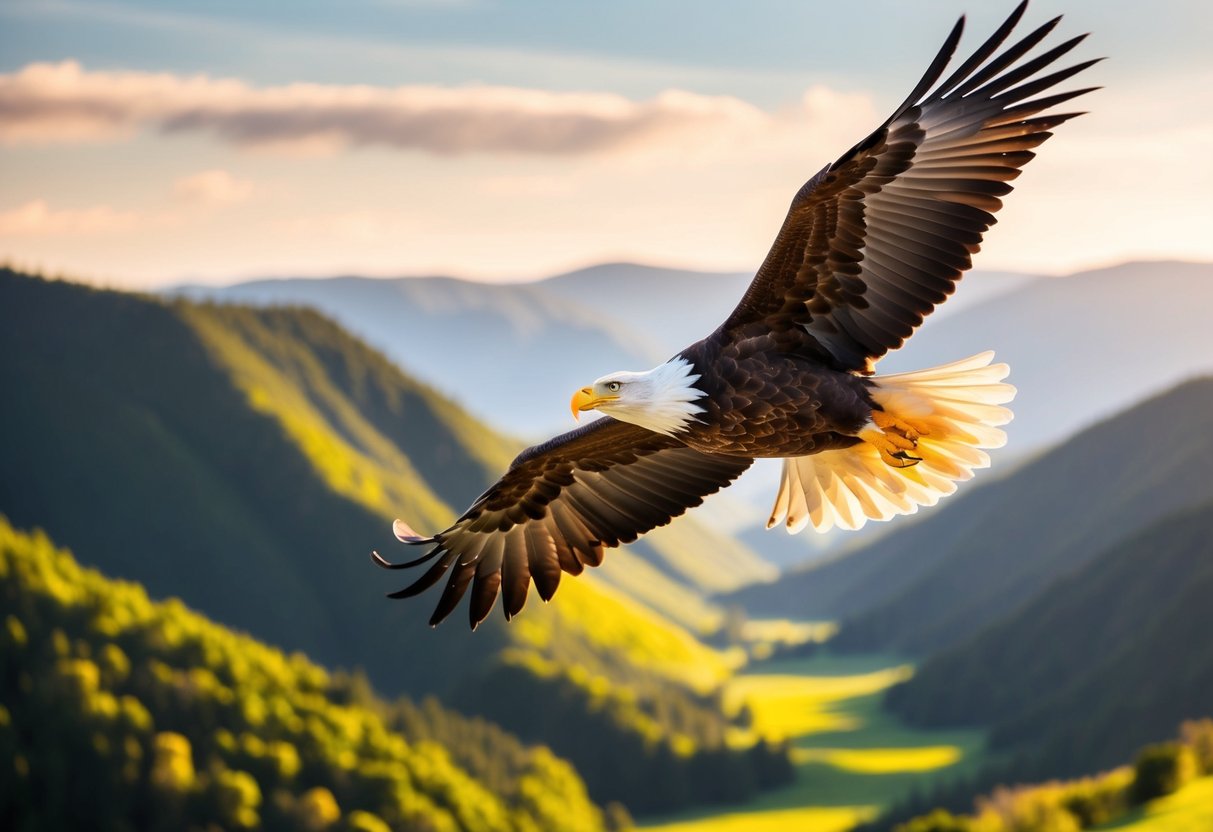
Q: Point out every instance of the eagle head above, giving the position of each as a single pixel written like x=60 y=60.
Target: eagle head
x=661 y=399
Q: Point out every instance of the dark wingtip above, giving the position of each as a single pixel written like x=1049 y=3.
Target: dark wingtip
x=382 y=562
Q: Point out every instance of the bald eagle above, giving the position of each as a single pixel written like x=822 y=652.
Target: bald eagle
x=871 y=244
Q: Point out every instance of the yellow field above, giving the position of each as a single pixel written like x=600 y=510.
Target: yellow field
x=851 y=757
x=1188 y=810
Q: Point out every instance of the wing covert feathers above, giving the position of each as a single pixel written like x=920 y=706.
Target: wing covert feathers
x=873 y=243
x=959 y=404
x=557 y=508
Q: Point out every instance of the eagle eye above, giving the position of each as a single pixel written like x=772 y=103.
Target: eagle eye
x=613 y=386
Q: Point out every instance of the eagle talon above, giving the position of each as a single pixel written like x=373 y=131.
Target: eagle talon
x=900 y=459
x=890 y=440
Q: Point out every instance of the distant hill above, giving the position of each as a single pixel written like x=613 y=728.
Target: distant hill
x=1103 y=661
x=1081 y=347
x=511 y=355
x=475 y=341
x=933 y=582
x=247 y=460
x=121 y=713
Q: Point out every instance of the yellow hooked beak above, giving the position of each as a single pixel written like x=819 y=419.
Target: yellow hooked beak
x=584 y=399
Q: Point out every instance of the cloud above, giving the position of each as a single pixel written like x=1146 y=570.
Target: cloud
x=36 y=218
x=64 y=102
x=212 y=187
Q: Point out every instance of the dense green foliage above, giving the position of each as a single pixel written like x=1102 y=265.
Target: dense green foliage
x=119 y=713
x=1103 y=662
x=990 y=549
x=247 y=460
x=1078 y=804
x=1161 y=769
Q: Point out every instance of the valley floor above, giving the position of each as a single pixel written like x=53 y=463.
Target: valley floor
x=852 y=758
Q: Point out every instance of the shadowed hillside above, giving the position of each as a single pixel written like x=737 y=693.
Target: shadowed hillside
x=248 y=460
x=986 y=551
x=1102 y=662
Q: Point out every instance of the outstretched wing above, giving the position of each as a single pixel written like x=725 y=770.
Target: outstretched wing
x=559 y=505
x=876 y=240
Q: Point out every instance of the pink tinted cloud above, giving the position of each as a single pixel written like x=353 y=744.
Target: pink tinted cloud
x=36 y=218
x=212 y=187
x=65 y=103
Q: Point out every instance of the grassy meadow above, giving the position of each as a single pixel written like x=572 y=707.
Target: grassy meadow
x=851 y=757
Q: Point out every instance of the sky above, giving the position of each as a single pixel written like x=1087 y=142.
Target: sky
x=148 y=143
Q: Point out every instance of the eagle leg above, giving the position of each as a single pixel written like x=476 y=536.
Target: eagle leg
x=910 y=430
x=894 y=438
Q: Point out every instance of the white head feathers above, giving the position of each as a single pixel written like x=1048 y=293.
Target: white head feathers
x=661 y=399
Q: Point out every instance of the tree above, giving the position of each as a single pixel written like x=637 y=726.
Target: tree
x=1161 y=770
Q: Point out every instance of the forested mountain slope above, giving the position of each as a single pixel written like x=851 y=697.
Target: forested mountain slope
x=247 y=461
x=1103 y=661
x=119 y=712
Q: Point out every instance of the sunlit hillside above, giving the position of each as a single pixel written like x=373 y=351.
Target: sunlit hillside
x=260 y=455
x=141 y=714
x=1167 y=788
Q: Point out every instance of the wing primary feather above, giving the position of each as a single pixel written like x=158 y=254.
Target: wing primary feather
x=1041 y=84
x=982 y=52
x=405 y=534
x=383 y=562
x=455 y=587
x=484 y=594
x=516 y=576
x=1008 y=57
x=543 y=562
x=428 y=579
x=1015 y=114
x=1030 y=68
x=938 y=65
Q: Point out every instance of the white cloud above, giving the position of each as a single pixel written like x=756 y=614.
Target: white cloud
x=63 y=102
x=212 y=187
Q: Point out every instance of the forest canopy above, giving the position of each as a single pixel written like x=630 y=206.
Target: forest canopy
x=120 y=712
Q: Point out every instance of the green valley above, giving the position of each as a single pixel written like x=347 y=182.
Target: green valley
x=852 y=758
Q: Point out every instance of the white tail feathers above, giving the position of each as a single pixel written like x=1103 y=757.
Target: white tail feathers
x=957 y=406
